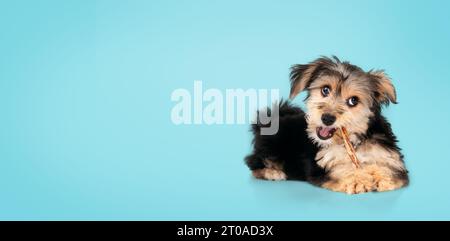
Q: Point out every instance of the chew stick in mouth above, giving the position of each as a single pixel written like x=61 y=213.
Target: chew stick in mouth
x=349 y=147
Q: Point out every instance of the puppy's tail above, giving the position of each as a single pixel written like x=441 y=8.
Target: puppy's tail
x=285 y=109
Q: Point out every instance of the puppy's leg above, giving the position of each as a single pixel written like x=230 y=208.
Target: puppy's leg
x=365 y=179
x=272 y=171
x=385 y=166
x=386 y=178
x=269 y=174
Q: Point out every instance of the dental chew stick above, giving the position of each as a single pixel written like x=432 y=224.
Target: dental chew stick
x=349 y=147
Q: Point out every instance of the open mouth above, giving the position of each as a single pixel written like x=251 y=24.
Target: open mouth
x=325 y=133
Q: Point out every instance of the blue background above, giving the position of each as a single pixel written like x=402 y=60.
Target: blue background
x=85 y=128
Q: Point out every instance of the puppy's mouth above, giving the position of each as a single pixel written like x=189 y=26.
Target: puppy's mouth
x=325 y=133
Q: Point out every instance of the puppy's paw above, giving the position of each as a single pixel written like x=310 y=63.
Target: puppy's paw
x=384 y=180
x=269 y=174
x=388 y=184
x=358 y=186
x=385 y=185
x=352 y=184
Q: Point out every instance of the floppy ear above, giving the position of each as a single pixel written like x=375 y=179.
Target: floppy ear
x=385 y=89
x=300 y=77
x=303 y=74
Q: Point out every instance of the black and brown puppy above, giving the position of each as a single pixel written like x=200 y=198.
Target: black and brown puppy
x=306 y=148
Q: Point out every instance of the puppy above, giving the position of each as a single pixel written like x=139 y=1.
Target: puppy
x=307 y=146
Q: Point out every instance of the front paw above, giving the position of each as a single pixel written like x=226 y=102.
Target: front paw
x=353 y=184
x=385 y=185
x=388 y=184
x=384 y=179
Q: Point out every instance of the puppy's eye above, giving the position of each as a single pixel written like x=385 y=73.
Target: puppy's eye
x=326 y=90
x=352 y=101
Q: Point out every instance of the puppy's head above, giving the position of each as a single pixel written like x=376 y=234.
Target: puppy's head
x=340 y=95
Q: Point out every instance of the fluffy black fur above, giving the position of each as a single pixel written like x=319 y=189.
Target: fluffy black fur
x=290 y=146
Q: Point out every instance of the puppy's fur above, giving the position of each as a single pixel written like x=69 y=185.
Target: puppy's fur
x=307 y=146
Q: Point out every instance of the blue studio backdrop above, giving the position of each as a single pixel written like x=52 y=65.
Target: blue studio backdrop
x=85 y=101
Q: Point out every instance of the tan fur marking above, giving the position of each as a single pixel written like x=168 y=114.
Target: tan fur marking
x=273 y=171
x=269 y=174
x=273 y=165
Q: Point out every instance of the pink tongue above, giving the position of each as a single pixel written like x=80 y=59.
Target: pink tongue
x=325 y=131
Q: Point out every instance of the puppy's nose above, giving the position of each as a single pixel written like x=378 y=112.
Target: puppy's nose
x=328 y=119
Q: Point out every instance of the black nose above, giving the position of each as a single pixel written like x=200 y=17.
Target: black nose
x=328 y=119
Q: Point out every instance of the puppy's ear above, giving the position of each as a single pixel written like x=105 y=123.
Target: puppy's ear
x=301 y=77
x=385 y=92
x=303 y=74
